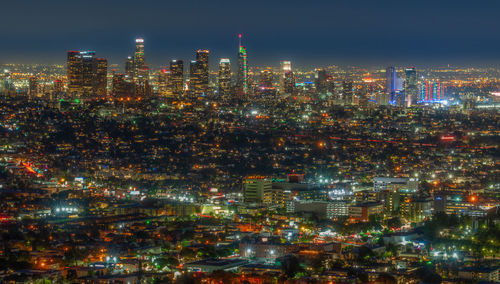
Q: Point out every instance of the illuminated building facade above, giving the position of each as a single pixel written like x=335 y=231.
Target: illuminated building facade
x=266 y=78
x=102 y=76
x=257 y=190
x=122 y=88
x=33 y=87
x=411 y=85
x=224 y=77
x=432 y=91
x=163 y=82
x=129 y=67
x=199 y=73
x=176 y=79
x=321 y=80
x=347 y=92
x=391 y=78
x=141 y=70
x=242 y=75
x=289 y=83
x=285 y=67
x=87 y=74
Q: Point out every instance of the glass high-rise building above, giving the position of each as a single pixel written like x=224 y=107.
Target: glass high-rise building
x=141 y=70
x=242 y=75
x=102 y=76
x=87 y=74
x=347 y=92
x=163 y=82
x=224 y=77
x=391 y=81
x=411 y=85
x=177 y=76
x=266 y=78
x=320 y=80
x=129 y=67
x=199 y=73
x=285 y=67
x=289 y=83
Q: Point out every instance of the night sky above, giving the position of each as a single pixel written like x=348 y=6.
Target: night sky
x=421 y=33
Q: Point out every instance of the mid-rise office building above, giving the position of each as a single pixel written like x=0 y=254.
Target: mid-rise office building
x=257 y=189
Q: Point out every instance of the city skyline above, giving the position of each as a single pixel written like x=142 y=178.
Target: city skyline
x=326 y=33
x=340 y=141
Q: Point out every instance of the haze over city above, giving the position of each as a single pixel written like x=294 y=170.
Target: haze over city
x=423 y=33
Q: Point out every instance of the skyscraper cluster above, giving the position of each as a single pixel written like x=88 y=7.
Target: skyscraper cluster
x=87 y=74
x=400 y=91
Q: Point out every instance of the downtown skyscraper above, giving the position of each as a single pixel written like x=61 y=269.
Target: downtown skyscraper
x=411 y=86
x=242 y=74
x=176 y=79
x=141 y=70
x=287 y=79
x=224 y=77
x=320 y=80
x=87 y=74
x=391 y=77
x=199 y=73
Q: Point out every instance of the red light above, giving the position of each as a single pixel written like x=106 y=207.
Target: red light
x=448 y=138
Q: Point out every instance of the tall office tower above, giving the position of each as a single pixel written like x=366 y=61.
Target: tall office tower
x=192 y=76
x=177 y=76
x=199 y=73
x=141 y=70
x=391 y=81
x=285 y=66
x=101 y=76
x=410 y=88
x=85 y=73
x=347 y=92
x=164 y=82
x=129 y=67
x=266 y=78
x=33 y=87
x=224 y=77
x=289 y=83
x=74 y=66
x=242 y=75
x=320 y=80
